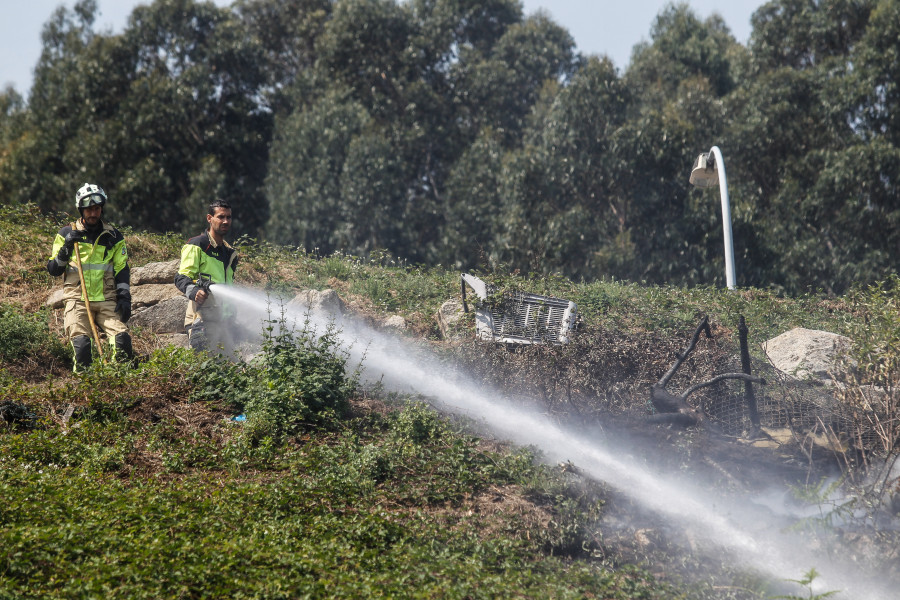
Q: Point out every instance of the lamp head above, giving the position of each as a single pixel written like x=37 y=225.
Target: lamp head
x=704 y=173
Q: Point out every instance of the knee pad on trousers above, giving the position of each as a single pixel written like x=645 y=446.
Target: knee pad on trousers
x=124 y=349
x=82 y=346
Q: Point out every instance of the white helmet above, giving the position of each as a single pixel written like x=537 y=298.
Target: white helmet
x=89 y=195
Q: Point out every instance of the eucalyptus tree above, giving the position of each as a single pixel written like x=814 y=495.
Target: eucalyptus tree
x=14 y=137
x=801 y=134
x=626 y=156
x=356 y=94
x=190 y=118
x=876 y=73
x=38 y=167
x=287 y=32
x=165 y=116
x=497 y=87
x=421 y=77
x=683 y=47
x=310 y=149
x=564 y=197
x=474 y=198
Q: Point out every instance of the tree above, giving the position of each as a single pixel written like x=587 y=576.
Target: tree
x=876 y=68
x=306 y=162
x=473 y=201
x=562 y=198
x=803 y=34
x=13 y=137
x=843 y=217
x=169 y=104
x=413 y=74
x=796 y=122
x=682 y=47
x=499 y=88
x=287 y=32
x=36 y=167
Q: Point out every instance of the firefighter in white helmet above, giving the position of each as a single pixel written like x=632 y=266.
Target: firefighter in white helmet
x=107 y=278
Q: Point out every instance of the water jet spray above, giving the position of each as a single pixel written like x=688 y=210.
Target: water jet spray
x=750 y=532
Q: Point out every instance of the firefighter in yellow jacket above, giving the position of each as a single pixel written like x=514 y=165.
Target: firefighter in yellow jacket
x=208 y=258
x=107 y=278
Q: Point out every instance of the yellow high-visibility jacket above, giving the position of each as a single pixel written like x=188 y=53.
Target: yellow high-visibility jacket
x=201 y=255
x=104 y=260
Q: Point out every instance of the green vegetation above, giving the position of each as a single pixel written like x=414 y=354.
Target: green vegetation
x=298 y=380
x=469 y=134
x=116 y=504
x=328 y=489
x=25 y=336
x=377 y=148
x=807 y=580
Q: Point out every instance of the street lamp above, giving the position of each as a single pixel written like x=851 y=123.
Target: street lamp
x=709 y=170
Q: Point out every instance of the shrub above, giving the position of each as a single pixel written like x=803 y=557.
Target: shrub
x=25 y=335
x=873 y=395
x=299 y=380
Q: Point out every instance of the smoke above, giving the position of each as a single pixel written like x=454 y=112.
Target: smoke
x=751 y=530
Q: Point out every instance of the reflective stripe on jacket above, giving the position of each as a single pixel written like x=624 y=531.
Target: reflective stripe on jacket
x=199 y=255
x=104 y=260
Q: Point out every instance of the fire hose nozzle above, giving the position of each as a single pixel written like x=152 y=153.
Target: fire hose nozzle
x=204 y=282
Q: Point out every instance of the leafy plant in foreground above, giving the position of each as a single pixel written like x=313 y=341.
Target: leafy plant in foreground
x=25 y=335
x=299 y=380
x=807 y=580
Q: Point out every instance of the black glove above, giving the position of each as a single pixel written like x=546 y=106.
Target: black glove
x=73 y=237
x=123 y=306
x=76 y=235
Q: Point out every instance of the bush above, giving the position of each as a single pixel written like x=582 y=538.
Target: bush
x=25 y=335
x=873 y=392
x=299 y=380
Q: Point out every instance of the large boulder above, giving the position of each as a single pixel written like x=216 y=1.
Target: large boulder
x=808 y=353
x=150 y=284
x=163 y=317
x=153 y=293
x=156 y=272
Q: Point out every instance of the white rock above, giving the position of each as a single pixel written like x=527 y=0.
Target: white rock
x=807 y=353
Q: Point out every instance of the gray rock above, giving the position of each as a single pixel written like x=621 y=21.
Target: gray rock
x=808 y=353
x=153 y=293
x=179 y=340
x=448 y=317
x=157 y=272
x=395 y=322
x=141 y=295
x=150 y=284
x=55 y=299
x=164 y=317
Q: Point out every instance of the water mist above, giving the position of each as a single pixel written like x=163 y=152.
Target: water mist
x=741 y=528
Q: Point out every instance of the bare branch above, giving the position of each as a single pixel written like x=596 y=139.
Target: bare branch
x=703 y=326
x=718 y=378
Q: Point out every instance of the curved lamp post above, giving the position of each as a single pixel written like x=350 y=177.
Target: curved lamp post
x=709 y=170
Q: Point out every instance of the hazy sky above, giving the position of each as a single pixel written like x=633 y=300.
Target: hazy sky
x=598 y=26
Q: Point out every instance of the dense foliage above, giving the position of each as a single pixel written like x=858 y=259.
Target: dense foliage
x=135 y=481
x=465 y=133
x=140 y=493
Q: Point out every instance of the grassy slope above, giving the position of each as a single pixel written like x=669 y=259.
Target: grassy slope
x=150 y=491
